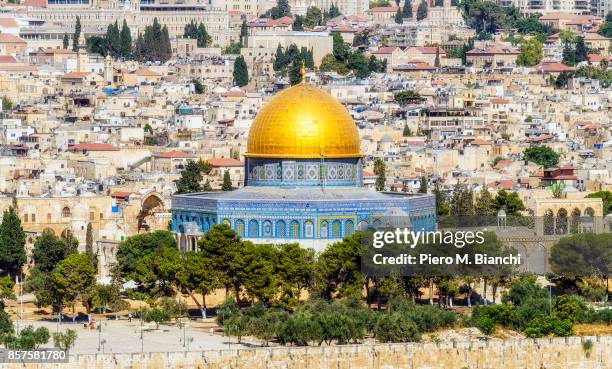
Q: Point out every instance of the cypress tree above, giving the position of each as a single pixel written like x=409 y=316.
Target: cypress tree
x=166 y=49
x=204 y=39
x=279 y=59
x=89 y=245
x=379 y=170
x=12 y=242
x=295 y=72
x=407 y=9
x=422 y=11
x=406 y=132
x=77 y=34
x=65 y=42
x=485 y=206
x=423 y=186
x=283 y=9
x=113 y=40
x=227 y=181
x=333 y=11
x=398 y=17
x=241 y=73
x=244 y=33
x=125 y=40
x=437 y=60
x=442 y=207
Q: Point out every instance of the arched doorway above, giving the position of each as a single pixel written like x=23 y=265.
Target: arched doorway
x=151 y=204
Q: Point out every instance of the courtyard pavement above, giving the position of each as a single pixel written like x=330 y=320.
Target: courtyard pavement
x=121 y=336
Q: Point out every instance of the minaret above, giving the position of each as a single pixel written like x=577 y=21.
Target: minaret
x=108 y=70
x=81 y=60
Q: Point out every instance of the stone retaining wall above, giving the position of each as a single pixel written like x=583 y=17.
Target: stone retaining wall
x=547 y=353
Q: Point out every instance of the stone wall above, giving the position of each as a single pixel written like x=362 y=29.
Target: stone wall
x=545 y=353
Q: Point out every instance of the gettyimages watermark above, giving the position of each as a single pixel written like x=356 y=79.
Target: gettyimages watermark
x=466 y=245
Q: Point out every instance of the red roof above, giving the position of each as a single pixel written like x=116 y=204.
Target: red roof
x=35 y=3
x=7 y=59
x=174 y=154
x=385 y=50
x=541 y=138
x=265 y=22
x=92 y=146
x=553 y=67
x=8 y=22
x=7 y=38
x=121 y=194
x=504 y=184
x=479 y=142
x=596 y=58
x=502 y=163
x=430 y=50
x=225 y=162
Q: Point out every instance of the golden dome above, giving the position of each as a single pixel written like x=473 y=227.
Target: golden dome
x=303 y=122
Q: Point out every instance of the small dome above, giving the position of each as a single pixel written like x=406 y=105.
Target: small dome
x=395 y=217
x=79 y=212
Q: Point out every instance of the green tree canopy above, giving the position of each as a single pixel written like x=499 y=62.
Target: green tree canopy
x=74 y=279
x=606 y=197
x=541 y=155
x=190 y=180
x=241 y=72
x=531 y=53
x=134 y=248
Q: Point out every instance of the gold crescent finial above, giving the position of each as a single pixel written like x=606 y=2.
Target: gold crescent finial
x=303 y=71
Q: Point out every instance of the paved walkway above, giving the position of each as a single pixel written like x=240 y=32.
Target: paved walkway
x=124 y=337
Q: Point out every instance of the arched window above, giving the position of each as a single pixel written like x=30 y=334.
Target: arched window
x=239 y=227
x=349 y=228
x=363 y=225
x=253 y=228
x=324 y=229
x=336 y=229
x=66 y=212
x=308 y=229
x=294 y=229
x=281 y=229
x=267 y=228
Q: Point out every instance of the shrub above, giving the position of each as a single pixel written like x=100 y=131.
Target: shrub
x=529 y=310
x=486 y=325
x=155 y=315
x=299 y=329
x=226 y=310
x=602 y=316
x=66 y=340
x=237 y=325
x=541 y=327
x=570 y=307
x=500 y=314
x=266 y=326
x=396 y=327
x=427 y=318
